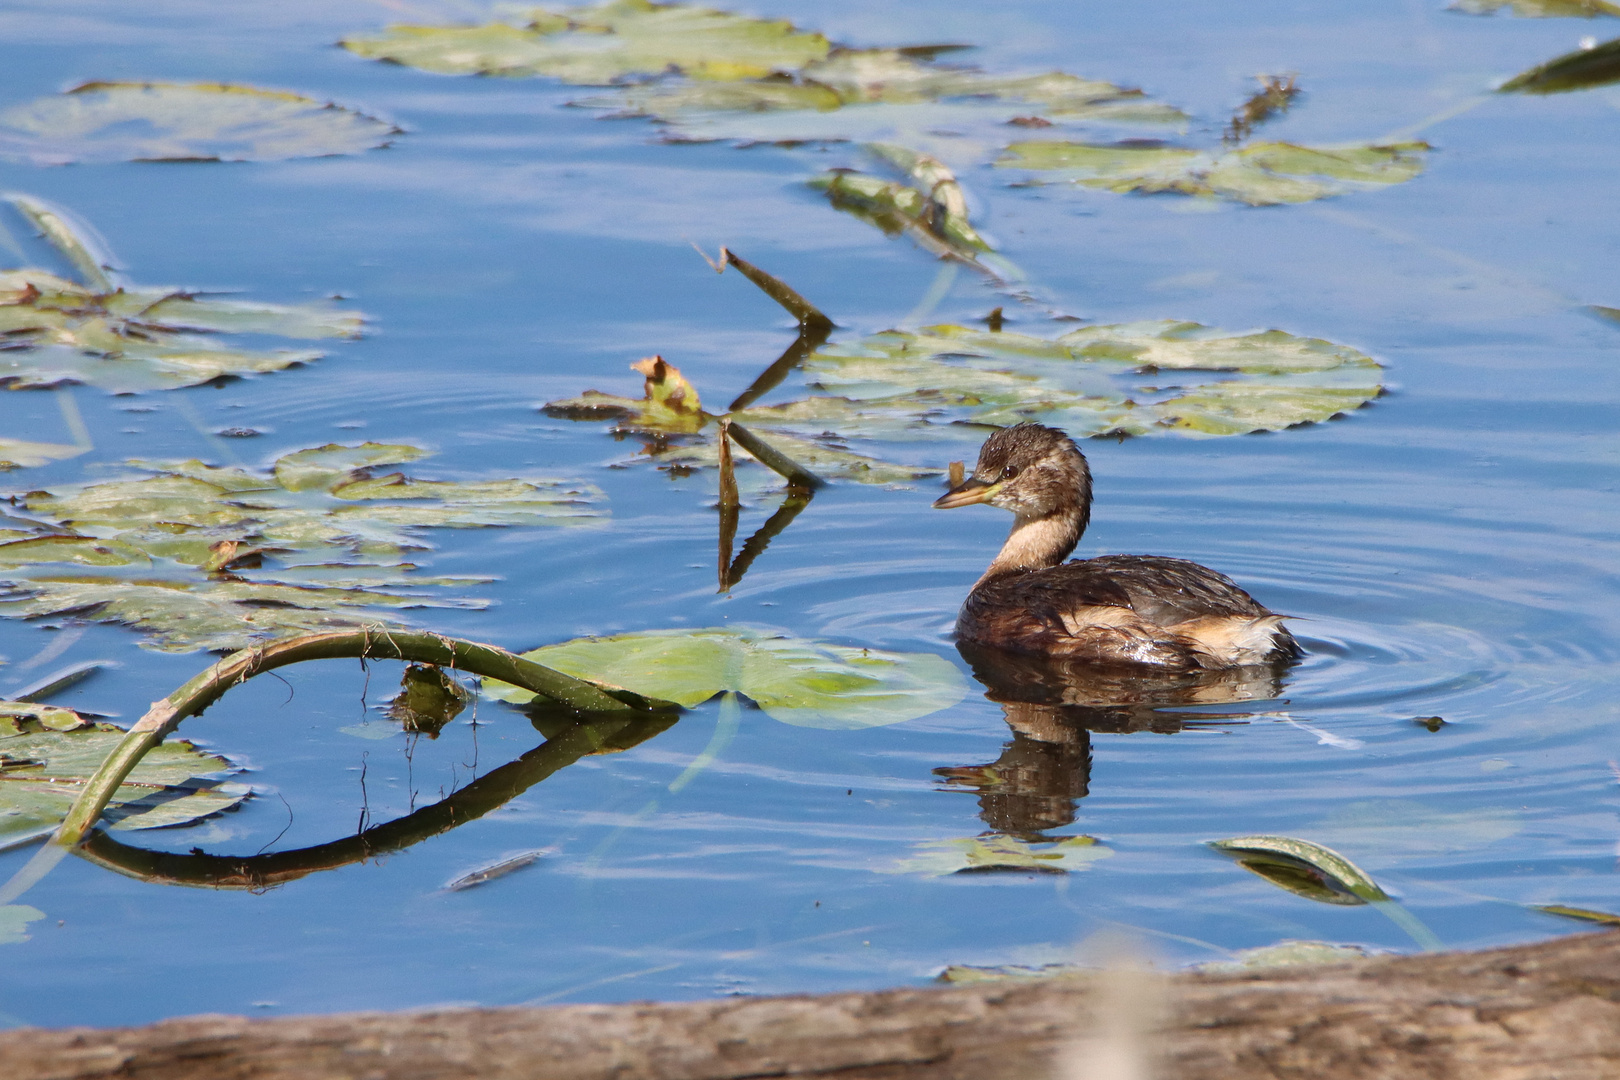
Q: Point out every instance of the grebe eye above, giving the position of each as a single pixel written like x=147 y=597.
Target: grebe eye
x=1009 y=472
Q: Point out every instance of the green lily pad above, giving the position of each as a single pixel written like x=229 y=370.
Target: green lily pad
x=996 y=851
x=1259 y=174
x=42 y=771
x=1538 y=9
x=138 y=121
x=795 y=680
x=598 y=45
x=127 y=338
x=14 y=920
x=21 y=454
x=204 y=557
x=1303 y=868
x=1132 y=378
x=1578 y=70
x=863 y=93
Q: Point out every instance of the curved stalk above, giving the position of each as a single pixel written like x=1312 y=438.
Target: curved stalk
x=366 y=643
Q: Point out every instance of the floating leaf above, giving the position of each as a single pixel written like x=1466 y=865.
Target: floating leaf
x=1538 y=9
x=873 y=90
x=795 y=680
x=1288 y=954
x=598 y=45
x=137 y=121
x=21 y=717
x=1583 y=914
x=184 y=549
x=998 y=852
x=1260 y=174
x=17 y=454
x=969 y=974
x=1132 y=378
x=14 y=920
x=132 y=338
x=1578 y=70
x=1303 y=868
x=42 y=772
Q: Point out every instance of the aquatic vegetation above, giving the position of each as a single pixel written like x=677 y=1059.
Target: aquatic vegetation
x=998 y=852
x=1275 y=97
x=795 y=680
x=714 y=74
x=1303 y=868
x=98 y=122
x=48 y=754
x=1259 y=174
x=206 y=557
x=931 y=209
x=428 y=699
x=22 y=454
x=127 y=338
x=1538 y=9
x=1579 y=70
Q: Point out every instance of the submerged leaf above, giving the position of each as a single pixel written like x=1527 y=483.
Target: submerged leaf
x=1303 y=868
x=132 y=338
x=1578 y=70
x=199 y=536
x=795 y=680
x=598 y=45
x=43 y=771
x=998 y=852
x=14 y=920
x=1260 y=174
x=135 y=121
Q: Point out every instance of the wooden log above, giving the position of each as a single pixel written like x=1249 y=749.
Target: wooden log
x=1527 y=1013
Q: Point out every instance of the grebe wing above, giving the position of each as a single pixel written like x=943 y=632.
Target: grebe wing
x=1163 y=590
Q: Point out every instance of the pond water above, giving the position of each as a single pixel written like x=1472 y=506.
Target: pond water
x=1449 y=550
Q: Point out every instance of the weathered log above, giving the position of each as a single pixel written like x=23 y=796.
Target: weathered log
x=1527 y=1013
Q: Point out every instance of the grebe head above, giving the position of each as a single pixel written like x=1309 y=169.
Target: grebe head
x=1034 y=471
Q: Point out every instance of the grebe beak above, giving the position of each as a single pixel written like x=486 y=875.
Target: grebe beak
x=966 y=493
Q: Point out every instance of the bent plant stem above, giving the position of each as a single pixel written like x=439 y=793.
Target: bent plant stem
x=375 y=643
x=809 y=316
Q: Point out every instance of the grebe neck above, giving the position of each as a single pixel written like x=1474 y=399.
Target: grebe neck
x=1036 y=543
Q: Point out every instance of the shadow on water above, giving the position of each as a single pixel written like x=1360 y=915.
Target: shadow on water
x=1053 y=706
x=568 y=739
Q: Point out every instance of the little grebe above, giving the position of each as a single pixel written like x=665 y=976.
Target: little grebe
x=1169 y=614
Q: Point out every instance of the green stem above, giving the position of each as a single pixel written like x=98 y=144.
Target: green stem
x=371 y=642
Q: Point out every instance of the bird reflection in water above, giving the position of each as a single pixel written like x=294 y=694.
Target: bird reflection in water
x=1053 y=706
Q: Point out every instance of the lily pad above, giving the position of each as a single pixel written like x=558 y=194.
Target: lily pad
x=20 y=454
x=43 y=770
x=998 y=852
x=1578 y=70
x=14 y=920
x=1259 y=174
x=203 y=557
x=1132 y=378
x=795 y=680
x=599 y=45
x=128 y=338
x=1303 y=868
x=142 y=121
x=1538 y=9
